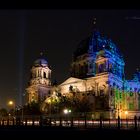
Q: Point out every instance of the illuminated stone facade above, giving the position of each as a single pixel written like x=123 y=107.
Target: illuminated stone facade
x=98 y=70
x=40 y=83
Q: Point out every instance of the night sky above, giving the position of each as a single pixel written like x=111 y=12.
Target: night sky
x=56 y=33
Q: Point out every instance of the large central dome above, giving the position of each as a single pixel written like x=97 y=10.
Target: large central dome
x=95 y=43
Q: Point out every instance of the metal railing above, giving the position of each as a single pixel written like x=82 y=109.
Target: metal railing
x=71 y=121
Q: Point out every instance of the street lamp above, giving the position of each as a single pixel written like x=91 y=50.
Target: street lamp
x=126 y=113
x=66 y=111
x=12 y=104
x=49 y=101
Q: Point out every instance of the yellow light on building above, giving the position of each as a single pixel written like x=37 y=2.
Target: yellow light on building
x=49 y=100
x=126 y=112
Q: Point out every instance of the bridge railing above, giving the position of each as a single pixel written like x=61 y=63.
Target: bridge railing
x=81 y=121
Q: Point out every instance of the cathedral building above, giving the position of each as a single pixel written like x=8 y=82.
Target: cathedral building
x=97 y=69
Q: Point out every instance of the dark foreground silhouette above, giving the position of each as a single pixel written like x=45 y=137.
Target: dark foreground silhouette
x=19 y=132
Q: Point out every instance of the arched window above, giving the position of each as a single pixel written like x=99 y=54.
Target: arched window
x=110 y=67
x=44 y=75
x=101 y=68
x=111 y=92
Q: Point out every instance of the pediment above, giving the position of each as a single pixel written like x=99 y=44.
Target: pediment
x=71 y=80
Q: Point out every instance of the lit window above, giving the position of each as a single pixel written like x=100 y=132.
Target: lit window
x=131 y=94
x=44 y=75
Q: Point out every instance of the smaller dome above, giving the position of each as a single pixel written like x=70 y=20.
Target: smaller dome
x=41 y=62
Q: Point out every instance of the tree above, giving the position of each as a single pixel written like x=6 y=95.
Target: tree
x=32 y=109
x=77 y=102
x=3 y=112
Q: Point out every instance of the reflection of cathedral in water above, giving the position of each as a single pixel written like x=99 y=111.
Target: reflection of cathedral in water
x=97 y=70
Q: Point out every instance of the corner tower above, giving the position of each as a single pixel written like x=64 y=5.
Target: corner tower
x=40 y=83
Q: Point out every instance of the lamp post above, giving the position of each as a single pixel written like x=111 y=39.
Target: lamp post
x=66 y=112
x=49 y=101
x=12 y=104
